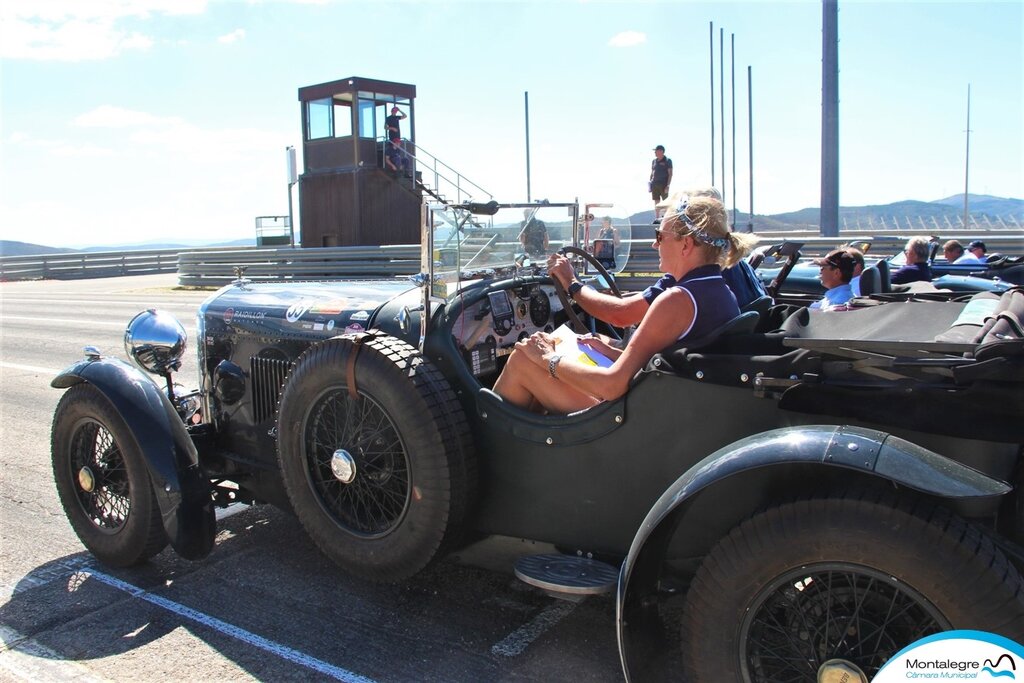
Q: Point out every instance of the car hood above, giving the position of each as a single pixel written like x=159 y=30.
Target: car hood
x=319 y=309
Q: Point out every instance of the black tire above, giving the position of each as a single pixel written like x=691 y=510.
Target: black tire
x=854 y=578
x=102 y=480
x=407 y=436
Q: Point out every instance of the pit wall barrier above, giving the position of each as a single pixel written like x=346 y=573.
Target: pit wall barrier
x=216 y=266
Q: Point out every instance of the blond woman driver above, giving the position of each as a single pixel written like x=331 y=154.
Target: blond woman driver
x=693 y=243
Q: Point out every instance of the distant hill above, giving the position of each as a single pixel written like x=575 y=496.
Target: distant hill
x=14 y=248
x=987 y=211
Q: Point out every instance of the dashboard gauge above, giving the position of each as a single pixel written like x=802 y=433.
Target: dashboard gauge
x=540 y=308
x=521 y=310
x=501 y=312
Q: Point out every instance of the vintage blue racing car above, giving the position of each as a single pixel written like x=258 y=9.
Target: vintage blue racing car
x=770 y=503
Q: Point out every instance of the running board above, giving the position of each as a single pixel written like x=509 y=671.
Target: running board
x=567 y=576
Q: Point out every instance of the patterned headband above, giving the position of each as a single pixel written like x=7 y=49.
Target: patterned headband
x=699 y=233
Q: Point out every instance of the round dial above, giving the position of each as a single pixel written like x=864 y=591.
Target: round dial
x=540 y=308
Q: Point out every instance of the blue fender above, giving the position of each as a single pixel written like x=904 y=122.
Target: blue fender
x=849 y=452
x=182 y=492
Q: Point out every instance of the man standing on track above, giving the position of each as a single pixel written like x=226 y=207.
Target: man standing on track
x=661 y=178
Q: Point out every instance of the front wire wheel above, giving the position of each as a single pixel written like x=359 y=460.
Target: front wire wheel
x=847 y=577
x=102 y=480
x=103 y=491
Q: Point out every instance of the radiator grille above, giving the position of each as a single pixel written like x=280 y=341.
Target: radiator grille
x=268 y=375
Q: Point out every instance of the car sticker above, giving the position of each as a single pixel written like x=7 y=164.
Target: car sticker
x=297 y=310
x=360 y=315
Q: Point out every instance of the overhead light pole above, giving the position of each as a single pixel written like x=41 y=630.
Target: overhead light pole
x=967 y=159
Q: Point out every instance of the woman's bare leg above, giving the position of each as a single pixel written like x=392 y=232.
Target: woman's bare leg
x=525 y=384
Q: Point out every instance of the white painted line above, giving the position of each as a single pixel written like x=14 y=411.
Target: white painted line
x=231 y=630
x=65 y=320
x=516 y=642
x=28 y=368
x=141 y=303
x=28 y=660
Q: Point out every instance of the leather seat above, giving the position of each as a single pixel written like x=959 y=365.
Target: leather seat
x=884 y=276
x=870 y=281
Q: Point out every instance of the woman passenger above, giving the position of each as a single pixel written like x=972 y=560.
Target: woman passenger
x=693 y=243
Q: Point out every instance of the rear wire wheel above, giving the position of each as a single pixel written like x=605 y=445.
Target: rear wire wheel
x=102 y=480
x=850 y=578
x=383 y=482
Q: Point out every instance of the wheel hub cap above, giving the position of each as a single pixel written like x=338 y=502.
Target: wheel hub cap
x=86 y=479
x=343 y=466
x=840 y=671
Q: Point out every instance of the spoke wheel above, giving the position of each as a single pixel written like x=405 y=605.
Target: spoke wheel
x=828 y=611
x=383 y=482
x=376 y=500
x=103 y=490
x=103 y=481
x=853 y=577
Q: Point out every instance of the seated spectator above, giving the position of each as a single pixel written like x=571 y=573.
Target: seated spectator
x=836 y=271
x=395 y=158
x=858 y=268
x=977 y=248
x=954 y=253
x=742 y=279
x=917 y=268
x=693 y=242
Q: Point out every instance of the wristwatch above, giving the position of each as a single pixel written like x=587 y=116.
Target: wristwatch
x=553 y=365
x=574 y=288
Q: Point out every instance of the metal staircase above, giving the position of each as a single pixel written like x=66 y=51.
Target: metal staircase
x=433 y=177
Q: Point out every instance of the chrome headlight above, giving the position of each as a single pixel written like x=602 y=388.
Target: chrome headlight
x=155 y=340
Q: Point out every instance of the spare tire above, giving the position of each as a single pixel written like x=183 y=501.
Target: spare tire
x=383 y=482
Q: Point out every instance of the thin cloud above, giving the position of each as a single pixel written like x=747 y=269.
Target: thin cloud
x=233 y=37
x=73 y=31
x=176 y=136
x=58 y=148
x=628 y=39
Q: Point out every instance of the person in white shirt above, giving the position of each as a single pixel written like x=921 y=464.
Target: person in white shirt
x=836 y=273
x=954 y=253
x=977 y=247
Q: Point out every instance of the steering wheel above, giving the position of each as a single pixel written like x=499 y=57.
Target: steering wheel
x=563 y=296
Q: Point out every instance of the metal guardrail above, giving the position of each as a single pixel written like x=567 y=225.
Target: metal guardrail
x=215 y=266
x=77 y=265
x=203 y=268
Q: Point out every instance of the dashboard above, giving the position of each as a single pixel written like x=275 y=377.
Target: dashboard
x=488 y=329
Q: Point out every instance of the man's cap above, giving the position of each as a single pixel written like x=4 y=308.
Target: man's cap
x=838 y=258
x=856 y=254
x=661 y=147
x=977 y=244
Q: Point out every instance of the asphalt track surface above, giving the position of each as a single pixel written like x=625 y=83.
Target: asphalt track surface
x=265 y=605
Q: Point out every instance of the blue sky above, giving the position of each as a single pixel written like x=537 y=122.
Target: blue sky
x=128 y=120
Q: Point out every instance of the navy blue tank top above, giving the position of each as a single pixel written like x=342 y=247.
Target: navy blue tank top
x=714 y=304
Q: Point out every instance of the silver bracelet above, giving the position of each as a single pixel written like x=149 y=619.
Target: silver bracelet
x=553 y=365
